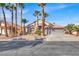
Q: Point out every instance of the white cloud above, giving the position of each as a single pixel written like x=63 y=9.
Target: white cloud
x=58 y=7
x=25 y=11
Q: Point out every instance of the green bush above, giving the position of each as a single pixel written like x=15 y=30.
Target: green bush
x=70 y=27
x=38 y=32
x=76 y=28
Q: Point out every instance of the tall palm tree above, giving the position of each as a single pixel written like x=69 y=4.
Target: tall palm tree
x=21 y=6
x=11 y=7
x=24 y=21
x=16 y=19
x=43 y=20
x=36 y=14
x=2 y=5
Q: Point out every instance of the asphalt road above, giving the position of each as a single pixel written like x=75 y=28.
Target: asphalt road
x=54 y=47
x=37 y=48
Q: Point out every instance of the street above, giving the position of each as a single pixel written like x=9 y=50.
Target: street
x=53 y=47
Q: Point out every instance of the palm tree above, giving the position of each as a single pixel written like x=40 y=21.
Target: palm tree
x=43 y=20
x=11 y=7
x=36 y=14
x=2 y=5
x=24 y=21
x=16 y=19
x=45 y=14
x=21 y=6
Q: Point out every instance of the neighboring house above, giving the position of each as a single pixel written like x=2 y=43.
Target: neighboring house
x=2 y=28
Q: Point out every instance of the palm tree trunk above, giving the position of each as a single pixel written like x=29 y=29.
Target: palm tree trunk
x=24 y=28
x=43 y=20
x=21 y=20
x=6 y=34
x=0 y=29
x=36 y=23
x=16 y=21
x=12 y=23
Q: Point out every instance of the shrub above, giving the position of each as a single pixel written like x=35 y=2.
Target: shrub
x=76 y=28
x=38 y=32
x=69 y=27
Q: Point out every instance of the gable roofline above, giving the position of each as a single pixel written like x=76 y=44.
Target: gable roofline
x=9 y=23
x=35 y=21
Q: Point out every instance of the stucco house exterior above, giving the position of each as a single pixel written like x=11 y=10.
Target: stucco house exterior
x=30 y=28
x=2 y=28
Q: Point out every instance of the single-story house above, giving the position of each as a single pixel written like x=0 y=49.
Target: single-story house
x=2 y=27
x=48 y=26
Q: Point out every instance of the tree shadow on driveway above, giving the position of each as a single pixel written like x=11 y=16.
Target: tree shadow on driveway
x=18 y=43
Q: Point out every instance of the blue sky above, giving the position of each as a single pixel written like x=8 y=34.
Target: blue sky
x=59 y=13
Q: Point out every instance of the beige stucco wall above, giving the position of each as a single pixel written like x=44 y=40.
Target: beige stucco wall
x=3 y=31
